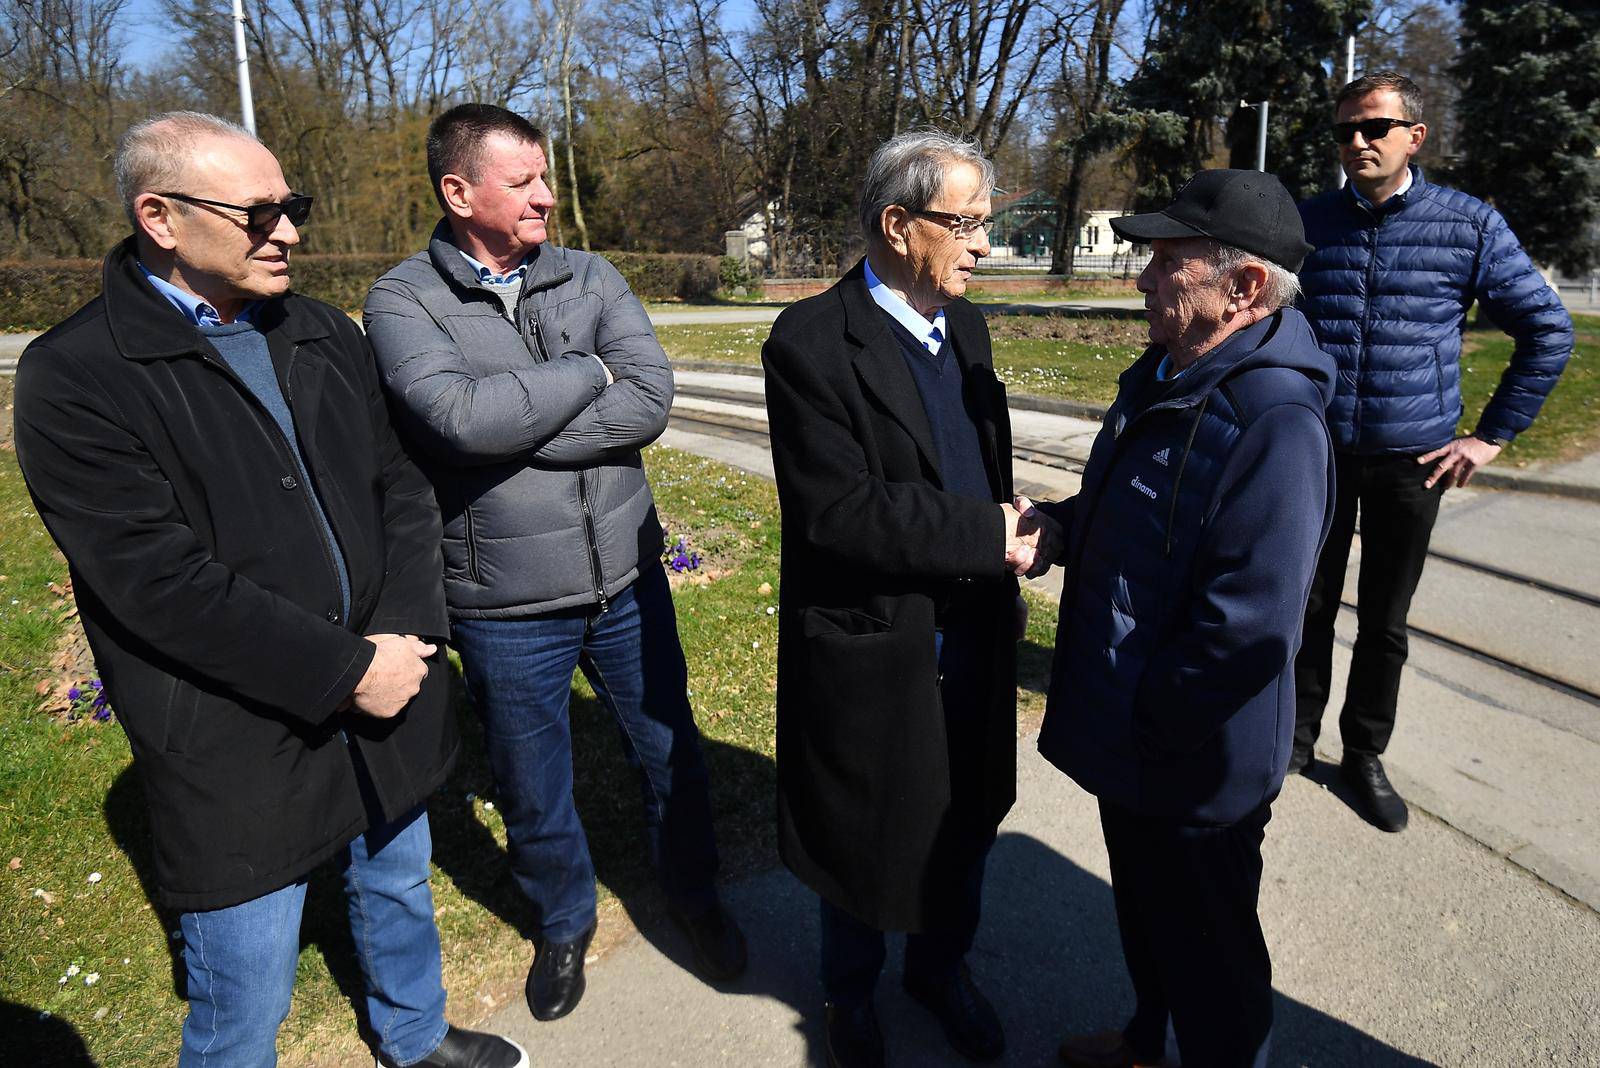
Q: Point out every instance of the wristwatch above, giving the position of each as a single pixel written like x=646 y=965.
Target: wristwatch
x=1489 y=439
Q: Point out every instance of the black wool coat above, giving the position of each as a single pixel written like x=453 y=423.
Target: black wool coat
x=205 y=583
x=870 y=795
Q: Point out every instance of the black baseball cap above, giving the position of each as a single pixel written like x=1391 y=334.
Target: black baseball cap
x=1250 y=210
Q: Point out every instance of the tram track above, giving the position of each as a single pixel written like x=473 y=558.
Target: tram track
x=753 y=430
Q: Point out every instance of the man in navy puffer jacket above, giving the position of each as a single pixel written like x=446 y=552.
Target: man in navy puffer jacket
x=1397 y=263
x=1188 y=553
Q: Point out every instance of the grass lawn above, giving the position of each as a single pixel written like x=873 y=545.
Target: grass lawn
x=70 y=806
x=1569 y=424
x=1053 y=356
x=1080 y=359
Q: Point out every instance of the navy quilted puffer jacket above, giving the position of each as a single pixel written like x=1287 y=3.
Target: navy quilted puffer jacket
x=1192 y=541
x=1387 y=292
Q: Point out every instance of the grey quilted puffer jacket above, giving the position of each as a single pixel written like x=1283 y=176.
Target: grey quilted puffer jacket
x=534 y=459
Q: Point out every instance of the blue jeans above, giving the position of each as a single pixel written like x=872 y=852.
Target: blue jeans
x=241 y=959
x=519 y=675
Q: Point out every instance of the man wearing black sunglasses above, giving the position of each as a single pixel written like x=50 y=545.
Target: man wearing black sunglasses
x=1398 y=263
x=257 y=567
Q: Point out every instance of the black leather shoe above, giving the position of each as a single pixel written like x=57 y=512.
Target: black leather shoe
x=1383 y=808
x=719 y=949
x=970 y=1023
x=474 y=1049
x=1299 y=759
x=854 y=1038
x=555 y=982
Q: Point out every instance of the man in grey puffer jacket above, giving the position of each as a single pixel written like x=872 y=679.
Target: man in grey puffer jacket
x=525 y=379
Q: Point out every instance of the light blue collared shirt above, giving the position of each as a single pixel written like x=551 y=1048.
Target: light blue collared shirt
x=931 y=335
x=1405 y=186
x=199 y=312
x=1164 y=371
x=488 y=277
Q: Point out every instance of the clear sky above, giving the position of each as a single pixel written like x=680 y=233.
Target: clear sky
x=148 y=34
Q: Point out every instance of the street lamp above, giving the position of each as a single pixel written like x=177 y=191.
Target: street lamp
x=1261 y=131
x=247 y=107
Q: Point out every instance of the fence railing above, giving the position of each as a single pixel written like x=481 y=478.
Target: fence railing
x=1580 y=293
x=1114 y=265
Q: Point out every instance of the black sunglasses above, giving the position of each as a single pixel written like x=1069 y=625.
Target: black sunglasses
x=259 y=219
x=1370 y=129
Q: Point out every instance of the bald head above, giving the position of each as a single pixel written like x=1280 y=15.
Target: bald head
x=159 y=153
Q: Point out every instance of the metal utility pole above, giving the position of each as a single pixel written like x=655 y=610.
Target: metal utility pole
x=1261 y=130
x=1349 y=76
x=247 y=107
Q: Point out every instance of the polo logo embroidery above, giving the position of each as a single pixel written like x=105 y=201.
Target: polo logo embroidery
x=1162 y=456
x=1142 y=488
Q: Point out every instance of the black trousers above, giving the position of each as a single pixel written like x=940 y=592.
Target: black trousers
x=1397 y=517
x=1186 y=908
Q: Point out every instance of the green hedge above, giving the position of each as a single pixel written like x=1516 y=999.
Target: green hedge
x=37 y=295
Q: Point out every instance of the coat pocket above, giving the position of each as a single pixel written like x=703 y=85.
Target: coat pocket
x=874 y=731
x=179 y=716
x=1438 y=378
x=817 y=621
x=470 y=539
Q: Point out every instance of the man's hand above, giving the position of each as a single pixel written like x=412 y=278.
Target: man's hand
x=1022 y=542
x=394 y=676
x=1458 y=461
x=1041 y=541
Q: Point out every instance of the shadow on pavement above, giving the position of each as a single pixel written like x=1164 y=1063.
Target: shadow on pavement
x=34 y=1038
x=1047 y=955
x=1327 y=776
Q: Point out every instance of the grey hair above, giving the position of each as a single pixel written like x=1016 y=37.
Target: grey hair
x=909 y=170
x=155 y=152
x=1283 y=285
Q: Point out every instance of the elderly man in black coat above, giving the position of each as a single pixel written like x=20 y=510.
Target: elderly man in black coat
x=256 y=564
x=896 y=654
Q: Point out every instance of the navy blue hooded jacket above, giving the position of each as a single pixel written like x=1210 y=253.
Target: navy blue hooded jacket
x=1387 y=291
x=1192 y=543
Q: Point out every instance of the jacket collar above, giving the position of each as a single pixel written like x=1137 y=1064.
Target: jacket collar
x=878 y=361
x=547 y=268
x=1415 y=190
x=1203 y=376
x=145 y=326
x=883 y=370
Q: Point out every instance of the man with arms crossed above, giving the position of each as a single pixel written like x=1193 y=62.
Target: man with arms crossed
x=526 y=379
x=1189 y=555
x=256 y=565
x=896 y=650
x=1397 y=264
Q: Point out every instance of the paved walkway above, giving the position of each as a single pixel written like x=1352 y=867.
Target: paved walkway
x=1470 y=939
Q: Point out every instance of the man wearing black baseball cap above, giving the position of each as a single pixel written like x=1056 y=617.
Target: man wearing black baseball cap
x=1192 y=544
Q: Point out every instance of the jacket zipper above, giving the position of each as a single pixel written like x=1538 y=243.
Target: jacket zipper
x=1183 y=461
x=472 y=545
x=1119 y=444
x=1366 y=323
x=589 y=535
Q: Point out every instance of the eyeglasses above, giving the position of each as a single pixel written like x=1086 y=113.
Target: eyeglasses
x=260 y=219
x=960 y=225
x=1370 y=129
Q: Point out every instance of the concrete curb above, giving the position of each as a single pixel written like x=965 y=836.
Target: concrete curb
x=1506 y=480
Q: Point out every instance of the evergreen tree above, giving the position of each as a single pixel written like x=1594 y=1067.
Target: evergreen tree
x=1530 y=122
x=1204 y=58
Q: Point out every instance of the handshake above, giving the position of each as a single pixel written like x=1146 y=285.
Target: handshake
x=1034 y=541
